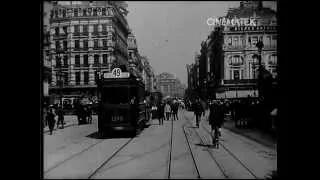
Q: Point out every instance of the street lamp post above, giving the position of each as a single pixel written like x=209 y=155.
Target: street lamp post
x=259 y=45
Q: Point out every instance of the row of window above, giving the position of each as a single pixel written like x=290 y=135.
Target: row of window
x=85 y=29
x=85 y=44
x=77 y=78
x=235 y=74
x=85 y=60
x=252 y=41
x=237 y=60
x=85 y=77
x=78 y=12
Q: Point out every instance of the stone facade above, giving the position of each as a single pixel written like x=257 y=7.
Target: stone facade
x=86 y=37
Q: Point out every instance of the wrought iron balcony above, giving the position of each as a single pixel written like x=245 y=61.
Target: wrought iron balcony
x=240 y=81
x=85 y=34
x=234 y=47
x=104 y=33
x=76 y=34
x=95 y=33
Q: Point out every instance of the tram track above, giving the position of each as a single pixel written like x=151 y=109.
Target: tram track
x=72 y=156
x=96 y=171
x=194 y=161
x=170 y=151
x=209 y=152
x=226 y=150
x=232 y=154
x=189 y=148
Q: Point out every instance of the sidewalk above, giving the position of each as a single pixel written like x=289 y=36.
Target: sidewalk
x=253 y=134
x=69 y=120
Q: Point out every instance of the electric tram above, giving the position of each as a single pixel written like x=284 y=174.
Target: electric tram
x=122 y=103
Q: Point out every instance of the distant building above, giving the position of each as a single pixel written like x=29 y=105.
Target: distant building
x=193 y=73
x=169 y=85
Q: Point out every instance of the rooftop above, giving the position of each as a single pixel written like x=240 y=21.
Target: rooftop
x=250 y=9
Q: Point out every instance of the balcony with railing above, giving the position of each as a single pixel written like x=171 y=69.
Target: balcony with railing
x=59 y=36
x=239 y=81
x=104 y=33
x=76 y=34
x=85 y=65
x=234 y=47
x=96 y=48
x=269 y=46
x=77 y=49
x=86 y=48
x=85 y=33
x=95 y=33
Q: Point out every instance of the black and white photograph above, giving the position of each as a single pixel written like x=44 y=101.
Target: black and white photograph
x=160 y=89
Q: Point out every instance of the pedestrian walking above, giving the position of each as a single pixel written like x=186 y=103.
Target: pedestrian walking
x=175 y=108
x=51 y=119
x=220 y=116
x=167 y=110
x=45 y=113
x=160 y=109
x=198 y=110
x=78 y=112
x=89 y=114
x=60 y=114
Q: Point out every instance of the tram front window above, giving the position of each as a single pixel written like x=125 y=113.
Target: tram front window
x=115 y=95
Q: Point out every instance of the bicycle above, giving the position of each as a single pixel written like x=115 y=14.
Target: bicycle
x=215 y=138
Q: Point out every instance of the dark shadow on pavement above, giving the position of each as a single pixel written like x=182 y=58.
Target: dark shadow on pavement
x=113 y=135
x=192 y=127
x=206 y=145
x=95 y=135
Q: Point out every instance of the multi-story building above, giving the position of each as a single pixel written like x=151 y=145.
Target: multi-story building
x=180 y=89
x=233 y=56
x=135 y=64
x=46 y=76
x=148 y=75
x=86 y=37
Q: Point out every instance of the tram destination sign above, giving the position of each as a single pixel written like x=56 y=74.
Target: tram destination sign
x=116 y=73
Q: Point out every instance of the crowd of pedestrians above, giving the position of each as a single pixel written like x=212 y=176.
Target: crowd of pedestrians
x=168 y=110
x=246 y=113
x=54 y=116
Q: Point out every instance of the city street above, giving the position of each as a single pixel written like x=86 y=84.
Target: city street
x=175 y=150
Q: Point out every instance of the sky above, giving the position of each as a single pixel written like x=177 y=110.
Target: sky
x=170 y=33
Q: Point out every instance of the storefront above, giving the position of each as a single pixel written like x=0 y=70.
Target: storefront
x=232 y=94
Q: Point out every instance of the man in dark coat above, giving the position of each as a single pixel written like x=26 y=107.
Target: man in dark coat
x=160 y=109
x=50 y=118
x=198 y=110
x=60 y=114
x=175 y=108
